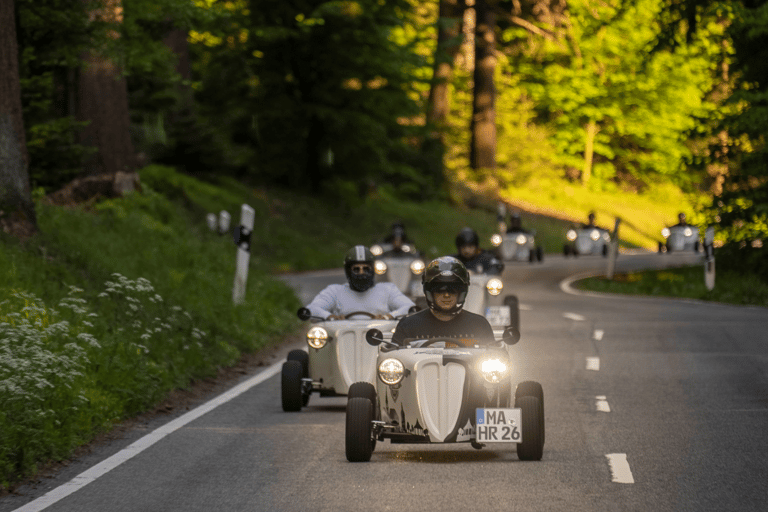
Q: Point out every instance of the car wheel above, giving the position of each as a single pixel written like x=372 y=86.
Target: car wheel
x=532 y=388
x=531 y=256
x=359 y=444
x=365 y=390
x=539 y=254
x=532 y=447
x=696 y=246
x=303 y=358
x=566 y=250
x=605 y=251
x=661 y=247
x=514 y=311
x=291 y=386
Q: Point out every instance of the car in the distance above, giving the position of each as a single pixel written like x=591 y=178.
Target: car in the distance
x=517 y=246
x=403 y=270
x=680 y=238
x=583 y=241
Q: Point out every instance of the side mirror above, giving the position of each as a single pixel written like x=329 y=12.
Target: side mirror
x=511 y=335
x=304 y=314
x=374 y=337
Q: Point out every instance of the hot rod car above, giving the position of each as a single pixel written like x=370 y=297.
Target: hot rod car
x=337 y=357
x=680 y=238
x=403 y=269
x=586 y=240
x=517 y=246
x=427 y=392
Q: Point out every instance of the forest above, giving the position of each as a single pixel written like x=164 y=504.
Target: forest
x=433 y=99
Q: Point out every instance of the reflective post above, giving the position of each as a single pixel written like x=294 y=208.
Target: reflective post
x=613 y=250
x=243 y=241
x=212 y=221
x=224 y=220
x=709 y=258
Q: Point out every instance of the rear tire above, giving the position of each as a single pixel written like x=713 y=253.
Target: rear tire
x=359 y=444
x=532 y=447
x=291 y=386
x=514 y=310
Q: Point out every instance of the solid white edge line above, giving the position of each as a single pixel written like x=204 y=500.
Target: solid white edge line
x=620 y=472
x=145 y=442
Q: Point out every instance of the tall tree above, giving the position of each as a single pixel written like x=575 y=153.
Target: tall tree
x=17 y=211
x=102 y=98
x=483 y=125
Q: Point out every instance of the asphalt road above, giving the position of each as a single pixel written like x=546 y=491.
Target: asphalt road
x=651 y=404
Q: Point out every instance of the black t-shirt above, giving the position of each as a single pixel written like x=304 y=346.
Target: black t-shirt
x=466 y=328
x=483 y=263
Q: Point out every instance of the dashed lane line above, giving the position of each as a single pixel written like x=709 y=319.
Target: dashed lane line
x=602 y=404
x=598 y=334
x=620 y=472
x=574 y=316
x=593 y=363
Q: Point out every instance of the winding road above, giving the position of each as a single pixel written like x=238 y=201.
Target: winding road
x=651 y=405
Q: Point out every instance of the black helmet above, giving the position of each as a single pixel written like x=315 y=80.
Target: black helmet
x=359 y=254
x=446 y=270
x=467 y=236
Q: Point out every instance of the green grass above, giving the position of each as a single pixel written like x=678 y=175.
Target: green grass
x=685 y=282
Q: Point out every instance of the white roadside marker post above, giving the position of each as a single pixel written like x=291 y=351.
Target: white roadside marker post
x=224 y=221
x=212 y=221
x=243 y=242
x=709 y=258
x=613 y=250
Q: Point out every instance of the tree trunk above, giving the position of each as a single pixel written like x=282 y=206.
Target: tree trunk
x=103 y=101
x=483 y=149
x=449 y=26
x=17 y=211
x=589 y=151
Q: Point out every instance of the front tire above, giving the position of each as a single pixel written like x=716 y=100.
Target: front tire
x=291 y=386
x=532 y=447
x=359 y=443
x=539 y=254
x=534 y=389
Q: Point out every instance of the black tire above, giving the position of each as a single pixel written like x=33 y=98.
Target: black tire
x=661 y=247
x=566 y=250
x=514 y=310
x=605 y=251
x=303 y=358
x=539 y=254
x=365 y=390
x=696 y=246
x=531 y=256
x=532 y=447
x=534 y=389
x=291 y=386
x=359 y=444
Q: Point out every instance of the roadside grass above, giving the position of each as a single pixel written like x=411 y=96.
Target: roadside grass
x=684 y=282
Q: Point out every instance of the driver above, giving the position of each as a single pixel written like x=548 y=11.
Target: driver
x=516 y=224
x=382 y=300
x=446 y=283
x=590 y=221
x=681 y=220
x=472 y=256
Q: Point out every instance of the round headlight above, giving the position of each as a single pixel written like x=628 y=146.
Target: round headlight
x=417 y=267
x=594 y=235
x=521 y=239
x=391 y=371
x=496 y=240
x=407 y=248
x=493 y=370
x=606 y=236
x=380 y=267
x=494 y=286
x=665 y=232
x=376 y=250
x=571 y=235
x=688 y=232
x=317 y=337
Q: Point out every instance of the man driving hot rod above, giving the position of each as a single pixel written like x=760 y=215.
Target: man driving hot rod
x=382 y=300
x=446 y=282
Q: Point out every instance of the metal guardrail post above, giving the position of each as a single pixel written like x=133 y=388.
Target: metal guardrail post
x=709 y=258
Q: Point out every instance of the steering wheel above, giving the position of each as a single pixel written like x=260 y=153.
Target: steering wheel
x=354 y=313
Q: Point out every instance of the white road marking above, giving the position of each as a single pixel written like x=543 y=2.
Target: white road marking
x=145 y=442
x=593 y=363
x=602 y=404
x=598 y=334
x=620 y=472
x=574 y=316
x=525 y=307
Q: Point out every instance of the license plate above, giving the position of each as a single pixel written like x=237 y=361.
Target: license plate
x=499 y=425
x=498 y=315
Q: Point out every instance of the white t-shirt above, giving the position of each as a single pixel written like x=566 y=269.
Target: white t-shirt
x=380 y=299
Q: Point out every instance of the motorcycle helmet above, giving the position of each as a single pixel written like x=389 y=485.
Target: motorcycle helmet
x=446 y=271
x=356 y=255
x=467 y=236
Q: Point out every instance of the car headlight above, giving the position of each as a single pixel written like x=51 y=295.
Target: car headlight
x=494 y=286
x=665 y=232
x=594 y=235
x=606 y=236
x=376 y=250
x=521 y=239
x=571 y=235
x=688 y=232
x=417 y=267
x=494 y=370
x=496 y=240
x=391 y=371
x=407 y=248
x=317 y=337
x=380 y=267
